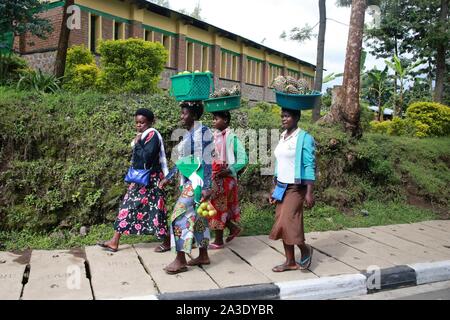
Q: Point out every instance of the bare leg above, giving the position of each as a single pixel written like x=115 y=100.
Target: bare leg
x=290 y=263
x=218 y=237
x=114 y=242
x=305 y=250
x=177 y=264
x=202 y=258
x=164 y=246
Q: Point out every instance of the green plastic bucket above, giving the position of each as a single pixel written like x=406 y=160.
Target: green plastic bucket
x=297 y=101
x=192 y=87
x=222 y=103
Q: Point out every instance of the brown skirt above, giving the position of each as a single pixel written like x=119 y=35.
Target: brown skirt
x=289 y=217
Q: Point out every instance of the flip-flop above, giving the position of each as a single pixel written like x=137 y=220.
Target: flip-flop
x=306 y=263
x=106 y=247
x=161 y=249
x=214 y=246
x=233 y=235
x=283 y=267
x=182 y=269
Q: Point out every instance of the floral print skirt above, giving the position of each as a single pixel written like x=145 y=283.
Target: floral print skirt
x=143 y=210
x=187 y=224
x=225 y=200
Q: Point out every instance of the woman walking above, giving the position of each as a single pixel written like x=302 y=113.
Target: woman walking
x=230 y=158
x=143 y=210
x=294 y=179
x=194 y=166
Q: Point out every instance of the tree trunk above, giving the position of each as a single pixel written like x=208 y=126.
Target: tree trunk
x=63 y=43
x=320 y=55
x=440 y=55
x=347 y=108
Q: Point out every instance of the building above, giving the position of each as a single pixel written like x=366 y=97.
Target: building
x=192 y=44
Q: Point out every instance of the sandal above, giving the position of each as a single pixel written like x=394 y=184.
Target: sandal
x=214 y=246
x=284 y=267
x=161 y=249
x=233 y=235
x=106 y=247
x=180 y=270
x=306 y=263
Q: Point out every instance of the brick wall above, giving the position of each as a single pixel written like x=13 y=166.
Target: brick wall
x=80 y=36
x=33 y=43
x=107 y=29
x=181 y=53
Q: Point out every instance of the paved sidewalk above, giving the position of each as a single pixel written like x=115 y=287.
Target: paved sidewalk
x=135 y=272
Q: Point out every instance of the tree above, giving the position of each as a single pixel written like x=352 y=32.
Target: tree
x=162 y=3
x=441 y=48
x=22 y=16
x=379 y=86
x=402 y=73
x=346 y=108
x=418 y=28
x=306 y=33
x=63 y=43
x=195 y=13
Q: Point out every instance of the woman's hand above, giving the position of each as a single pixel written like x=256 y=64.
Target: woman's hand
x=309 y=199
x=206 y=195
x=138 y=137
x=272 y=200
x=163 y=183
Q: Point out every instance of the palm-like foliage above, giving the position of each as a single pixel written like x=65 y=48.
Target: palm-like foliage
x=38 y=81
x=401 y=73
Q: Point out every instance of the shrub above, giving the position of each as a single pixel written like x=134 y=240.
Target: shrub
x=10 y=67
x=82 y=77
x=78 y=55
x=81 y=71
x=131 y=65
x=380 y=127
x=401 y=127
x=434 y=115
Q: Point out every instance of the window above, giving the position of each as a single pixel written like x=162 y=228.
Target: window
x=119 y=30
x=205 y=58
x=149 y=35
x=166 y=42
x=223 y=65
x=190 y=56
x=274 y=71
x=254 y=72
x=234 y=67
x=95 y=26
x=293 y=73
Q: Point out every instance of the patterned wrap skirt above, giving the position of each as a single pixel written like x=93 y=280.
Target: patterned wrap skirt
x=187 y=224
x=226 y=202
x=143 y=210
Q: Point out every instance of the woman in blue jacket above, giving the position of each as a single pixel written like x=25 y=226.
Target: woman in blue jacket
x=294 y=185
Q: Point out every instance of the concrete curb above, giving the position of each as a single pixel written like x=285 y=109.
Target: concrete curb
x=432 y=272
x=335 y=287
x=324 y=288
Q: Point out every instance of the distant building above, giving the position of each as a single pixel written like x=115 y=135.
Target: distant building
x=192 y=44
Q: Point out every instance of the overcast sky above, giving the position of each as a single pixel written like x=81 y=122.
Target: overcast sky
x=267 y=19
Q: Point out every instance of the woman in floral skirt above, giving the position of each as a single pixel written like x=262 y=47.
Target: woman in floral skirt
x=142 y=210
